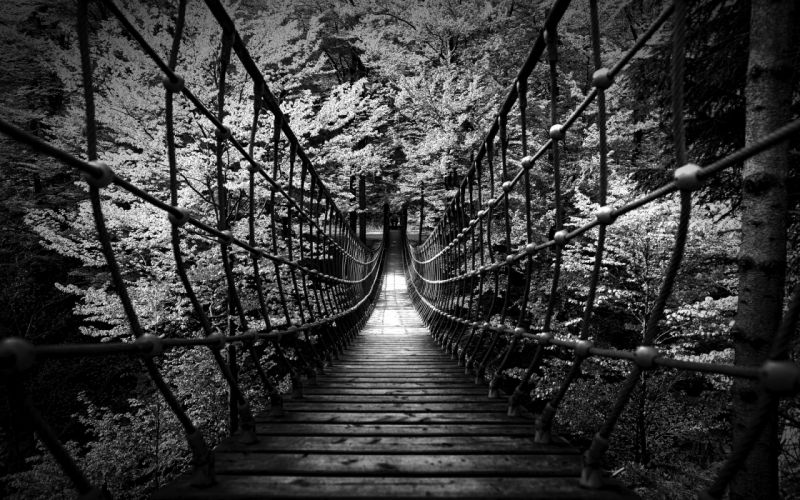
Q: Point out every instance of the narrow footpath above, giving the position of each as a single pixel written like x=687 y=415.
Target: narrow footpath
x=394 y=417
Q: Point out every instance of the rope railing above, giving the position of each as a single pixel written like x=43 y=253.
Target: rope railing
x=451 y=272
x=325 y=278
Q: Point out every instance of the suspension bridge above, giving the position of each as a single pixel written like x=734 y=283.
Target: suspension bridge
x=388 y=344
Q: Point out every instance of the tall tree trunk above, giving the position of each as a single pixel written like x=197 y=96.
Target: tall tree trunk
x=762 y=257
x=639 y=103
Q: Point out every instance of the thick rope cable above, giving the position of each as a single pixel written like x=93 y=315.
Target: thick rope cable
x=353 y=284
x=593 y=457
x=431 y=269
x=545 y=420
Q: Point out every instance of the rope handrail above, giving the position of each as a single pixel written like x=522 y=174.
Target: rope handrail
x=606 y=215
x=456 y=266
x=527 y=162
x=179 y=215
x=43 y=351
x=176 y=84
x=550 y=338
x=327 y=277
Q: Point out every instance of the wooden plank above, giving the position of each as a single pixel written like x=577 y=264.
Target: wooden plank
x=396 y=418
x=375 y=340
x=400 y=368
x=389 y=371
x=394 y=369
x=398 y=391
x=445 y=363
x=276 y=428
x=396 y=366
x=378 y=349
x=373 y=352
x=395 y=379
x=377 y=352
x=339 y=373
x=442 y=360
x=432 y=385
x=383 y=465
x=386 y=336
x=423 y=345
x=400 y=341
x=397 y=356
x=361 y=360
x=393 y=354
x=399 y=374
x=401 y=384
x=257 y=487
x=394 y=363
x=402 y=406
x=483 y=445
x=406 y=398
x=382 y=339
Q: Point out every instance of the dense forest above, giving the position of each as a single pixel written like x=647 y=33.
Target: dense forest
x=400 y=93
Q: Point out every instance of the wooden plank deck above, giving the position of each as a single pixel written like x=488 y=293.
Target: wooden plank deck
x=394 y=417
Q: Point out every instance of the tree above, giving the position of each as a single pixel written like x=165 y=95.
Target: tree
x=762 y=257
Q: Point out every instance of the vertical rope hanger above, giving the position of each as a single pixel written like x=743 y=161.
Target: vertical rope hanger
x=556 y=133
x=591 y=475
x=243 y=407
x=24 y=355
x=777 y=376
x=481 y=313
x=477 y=330
x=522 y=92
x=275 y=397
x=19 y=354
x=481 y=369
x=246 y=420
x=203 y=473
x=544 y=421
x=503 y=139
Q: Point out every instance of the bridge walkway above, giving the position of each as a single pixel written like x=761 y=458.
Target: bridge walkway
x=394 y=417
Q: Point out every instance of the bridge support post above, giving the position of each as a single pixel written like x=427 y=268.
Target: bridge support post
x=362 y=208
x=233 y=403
x=202 y=461
x=353 y=221
x=421 y=212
